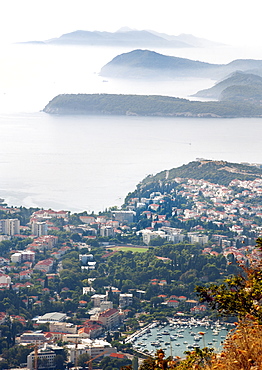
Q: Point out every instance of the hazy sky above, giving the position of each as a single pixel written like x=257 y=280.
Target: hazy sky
x=229 y=21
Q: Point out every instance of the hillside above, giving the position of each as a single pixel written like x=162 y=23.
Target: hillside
x=146 y=105
x=245 y=93
x=145 y=63
x=218 y=172
x=149 y=64
x=237 y=86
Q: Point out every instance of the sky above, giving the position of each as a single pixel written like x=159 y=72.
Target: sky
x=233 y=22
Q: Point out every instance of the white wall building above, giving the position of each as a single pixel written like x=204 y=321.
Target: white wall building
x=125 y=300
x=97 y=299
x=10 y=226
x=197 y=238
x=92 y=347
x=124 y=216
x=45 y=358
x=39 y=228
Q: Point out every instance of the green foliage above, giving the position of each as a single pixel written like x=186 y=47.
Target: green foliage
x=82 y=359
x=16 y=355
x=197 y=359
x=238 y=295
x=114 y=363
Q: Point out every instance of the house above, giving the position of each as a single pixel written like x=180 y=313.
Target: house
x=25 y=275
x=172 y=303
x=5 y=281
x=45 y=265
x=98 y=298
x=91 y=331
x=125 y=300
x=36 y=337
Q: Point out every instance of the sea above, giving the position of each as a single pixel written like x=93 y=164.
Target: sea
x=90 y=163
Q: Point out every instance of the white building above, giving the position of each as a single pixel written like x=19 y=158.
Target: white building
x=125 y=300
x=5 y=281
x=10 y=226
x=51 y=317
x=62 y=327
x=39 y=228
x=35 y=337
x=124 y=216
x=93 y=348
x=106 y=231
x=149 y=235
x=97 y=299
x=106 y=305
x=22 y=256
x=45 y=359
x=84 y=258
x=197 y=238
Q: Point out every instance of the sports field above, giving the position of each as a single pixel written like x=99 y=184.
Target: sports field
x=126 y=248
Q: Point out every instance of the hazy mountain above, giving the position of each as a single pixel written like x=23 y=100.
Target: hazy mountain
x=245 y=93
x=122 y=37
x=236 y=78
x=146 y=63
x=149 y=64
x=188 y=39
x=126 y=36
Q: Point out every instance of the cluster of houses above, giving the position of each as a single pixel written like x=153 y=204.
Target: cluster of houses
x=226 y=207
x=80 y=339
x=223 y=206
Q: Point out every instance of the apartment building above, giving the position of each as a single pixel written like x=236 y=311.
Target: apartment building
x=10 y=226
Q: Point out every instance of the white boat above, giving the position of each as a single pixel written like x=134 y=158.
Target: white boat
x=197 y=338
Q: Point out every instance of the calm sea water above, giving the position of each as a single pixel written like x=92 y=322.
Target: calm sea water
x=89 y=162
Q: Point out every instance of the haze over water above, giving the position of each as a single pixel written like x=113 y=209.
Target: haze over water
x=91 y=163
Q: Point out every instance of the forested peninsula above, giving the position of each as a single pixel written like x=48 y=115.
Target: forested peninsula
x=147 y=105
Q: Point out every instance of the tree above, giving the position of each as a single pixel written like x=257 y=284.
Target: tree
x=238 y=295
x=59 y=362
x=82 y=359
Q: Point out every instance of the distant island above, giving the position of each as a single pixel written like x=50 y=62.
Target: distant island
x=128 y=37
x=239 y=86
x=147 y=105
x=149 y=64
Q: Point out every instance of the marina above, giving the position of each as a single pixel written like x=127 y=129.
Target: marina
x=179 y=336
